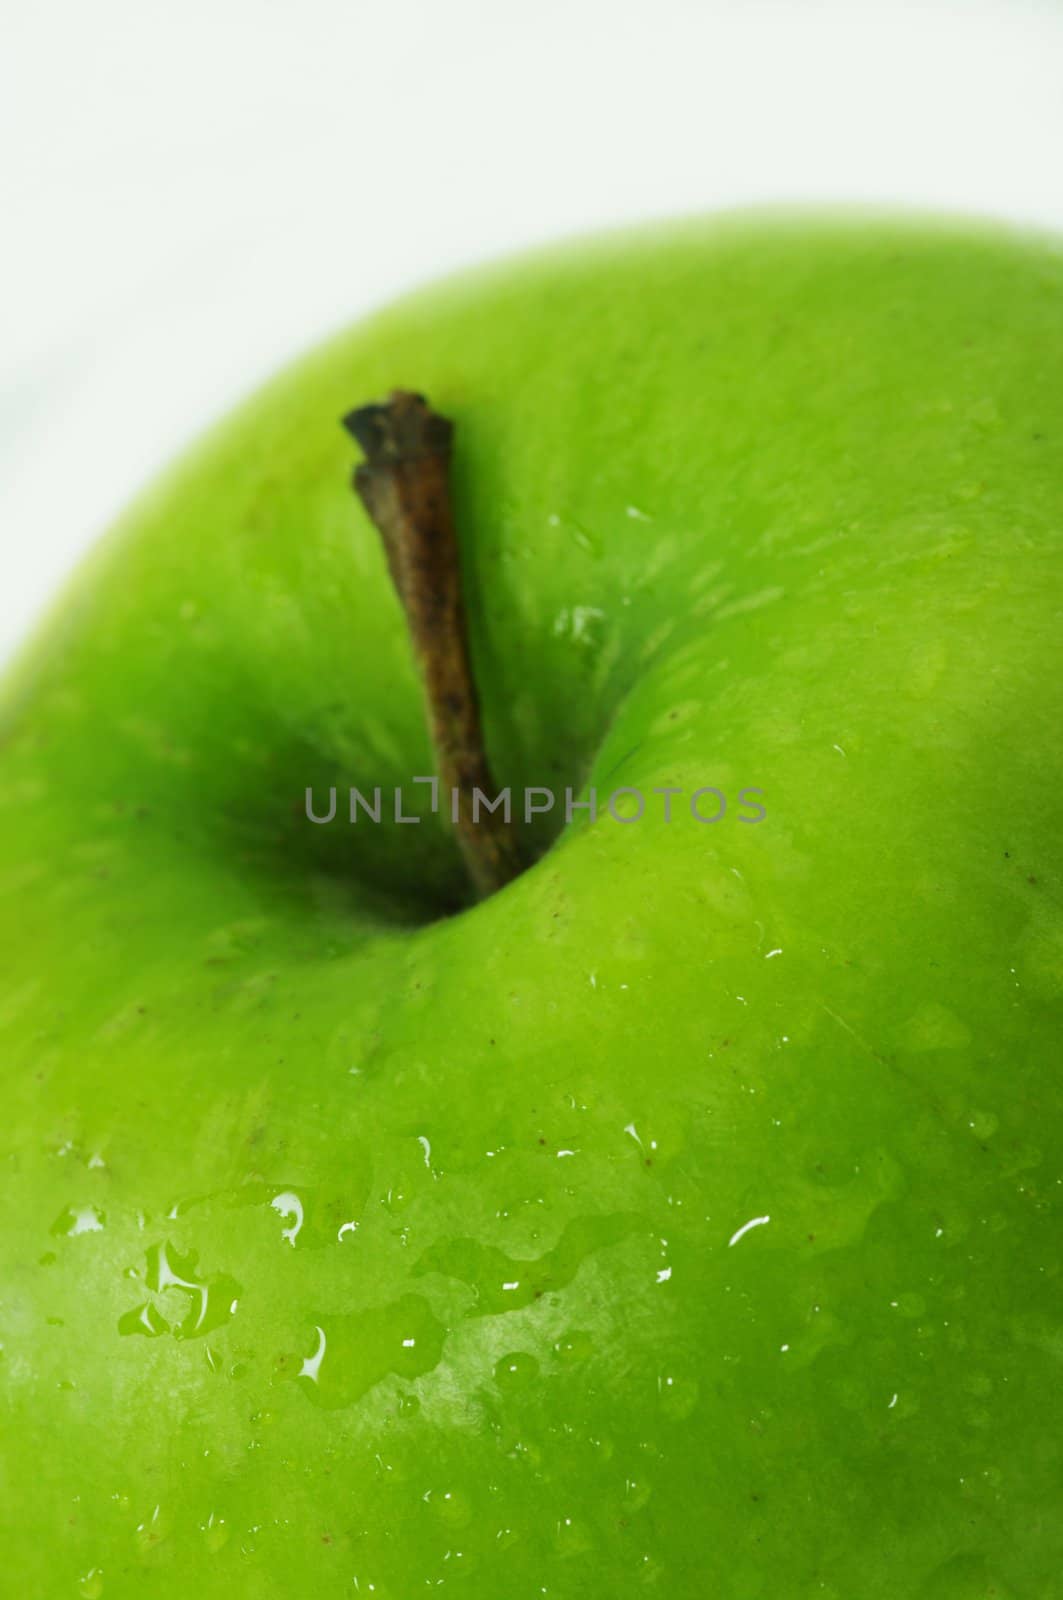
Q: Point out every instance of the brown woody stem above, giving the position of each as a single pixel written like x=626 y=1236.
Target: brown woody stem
x=404 y=484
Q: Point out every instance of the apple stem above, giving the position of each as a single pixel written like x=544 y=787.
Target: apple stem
x=404 y=484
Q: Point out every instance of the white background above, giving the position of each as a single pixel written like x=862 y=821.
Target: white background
x=194 y=191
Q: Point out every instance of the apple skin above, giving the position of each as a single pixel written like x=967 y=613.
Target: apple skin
x=771 y=502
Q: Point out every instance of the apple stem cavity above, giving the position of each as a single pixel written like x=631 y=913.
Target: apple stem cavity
x=404 y=485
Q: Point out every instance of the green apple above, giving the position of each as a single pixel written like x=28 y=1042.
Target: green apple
x=684 y=1218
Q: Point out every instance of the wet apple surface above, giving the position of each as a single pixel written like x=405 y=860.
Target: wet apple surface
x=684 y=1217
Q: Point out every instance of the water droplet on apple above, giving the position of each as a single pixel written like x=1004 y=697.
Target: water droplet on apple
x=146 y=1319
x=154 y=1529
x=311 y=1367
x=516 y=1370
x=983 y=1124
x=201 y=1303
x=574 y=1347
x=504 y=1283
x=353 y=1352
x=216 y=1533
x=74 y=1220
x=678 y=1394
x=290 y=1208
x=910 y=1305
